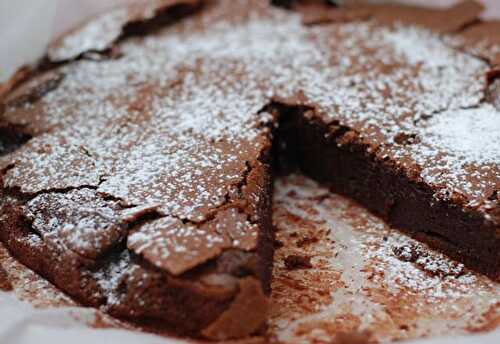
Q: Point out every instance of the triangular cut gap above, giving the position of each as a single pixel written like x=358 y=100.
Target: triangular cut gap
x=285 y=137
x=290 y=135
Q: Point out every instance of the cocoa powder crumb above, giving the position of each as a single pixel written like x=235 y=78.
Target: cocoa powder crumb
x=354 y=338
x=5 y=284
x=296 y=262
x=431 y=265
x=306 y=241
x=278 y=244
x=405 y=138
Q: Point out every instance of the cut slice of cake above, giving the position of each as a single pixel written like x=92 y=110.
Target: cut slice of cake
x=134 y=184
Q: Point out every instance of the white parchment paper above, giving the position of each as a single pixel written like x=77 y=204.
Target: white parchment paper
x=25 y=29
x=23 y=324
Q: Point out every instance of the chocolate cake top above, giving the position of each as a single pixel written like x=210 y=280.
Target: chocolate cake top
x=173 y=122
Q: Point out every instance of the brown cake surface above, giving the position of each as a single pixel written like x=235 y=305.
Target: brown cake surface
x=136 y=164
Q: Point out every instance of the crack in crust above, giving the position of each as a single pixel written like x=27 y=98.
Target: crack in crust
x=101 y=33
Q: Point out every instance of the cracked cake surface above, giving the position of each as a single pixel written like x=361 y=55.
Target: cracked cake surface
x=136 y=163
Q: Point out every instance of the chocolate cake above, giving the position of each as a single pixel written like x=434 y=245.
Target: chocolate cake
x=136 y=159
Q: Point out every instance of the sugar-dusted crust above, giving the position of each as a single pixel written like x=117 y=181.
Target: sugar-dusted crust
x=340 y=158
x=136 y=174
x=482 y=40
x=178 y=263
x=99 y=34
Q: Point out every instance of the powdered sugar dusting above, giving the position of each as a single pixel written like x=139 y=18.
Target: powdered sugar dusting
x=392 y=298
x=47 y=156
x=471 y=135
x=177 y=247
x=81 y=221
x=175 y=120
x=111 y=275
x=94 y=35
x=457 y=151
x=170 y=245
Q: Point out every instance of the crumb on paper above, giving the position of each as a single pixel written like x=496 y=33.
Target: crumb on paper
x=296 y=262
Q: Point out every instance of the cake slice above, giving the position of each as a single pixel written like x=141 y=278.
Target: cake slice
x=138 y=181
x=135 y=165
